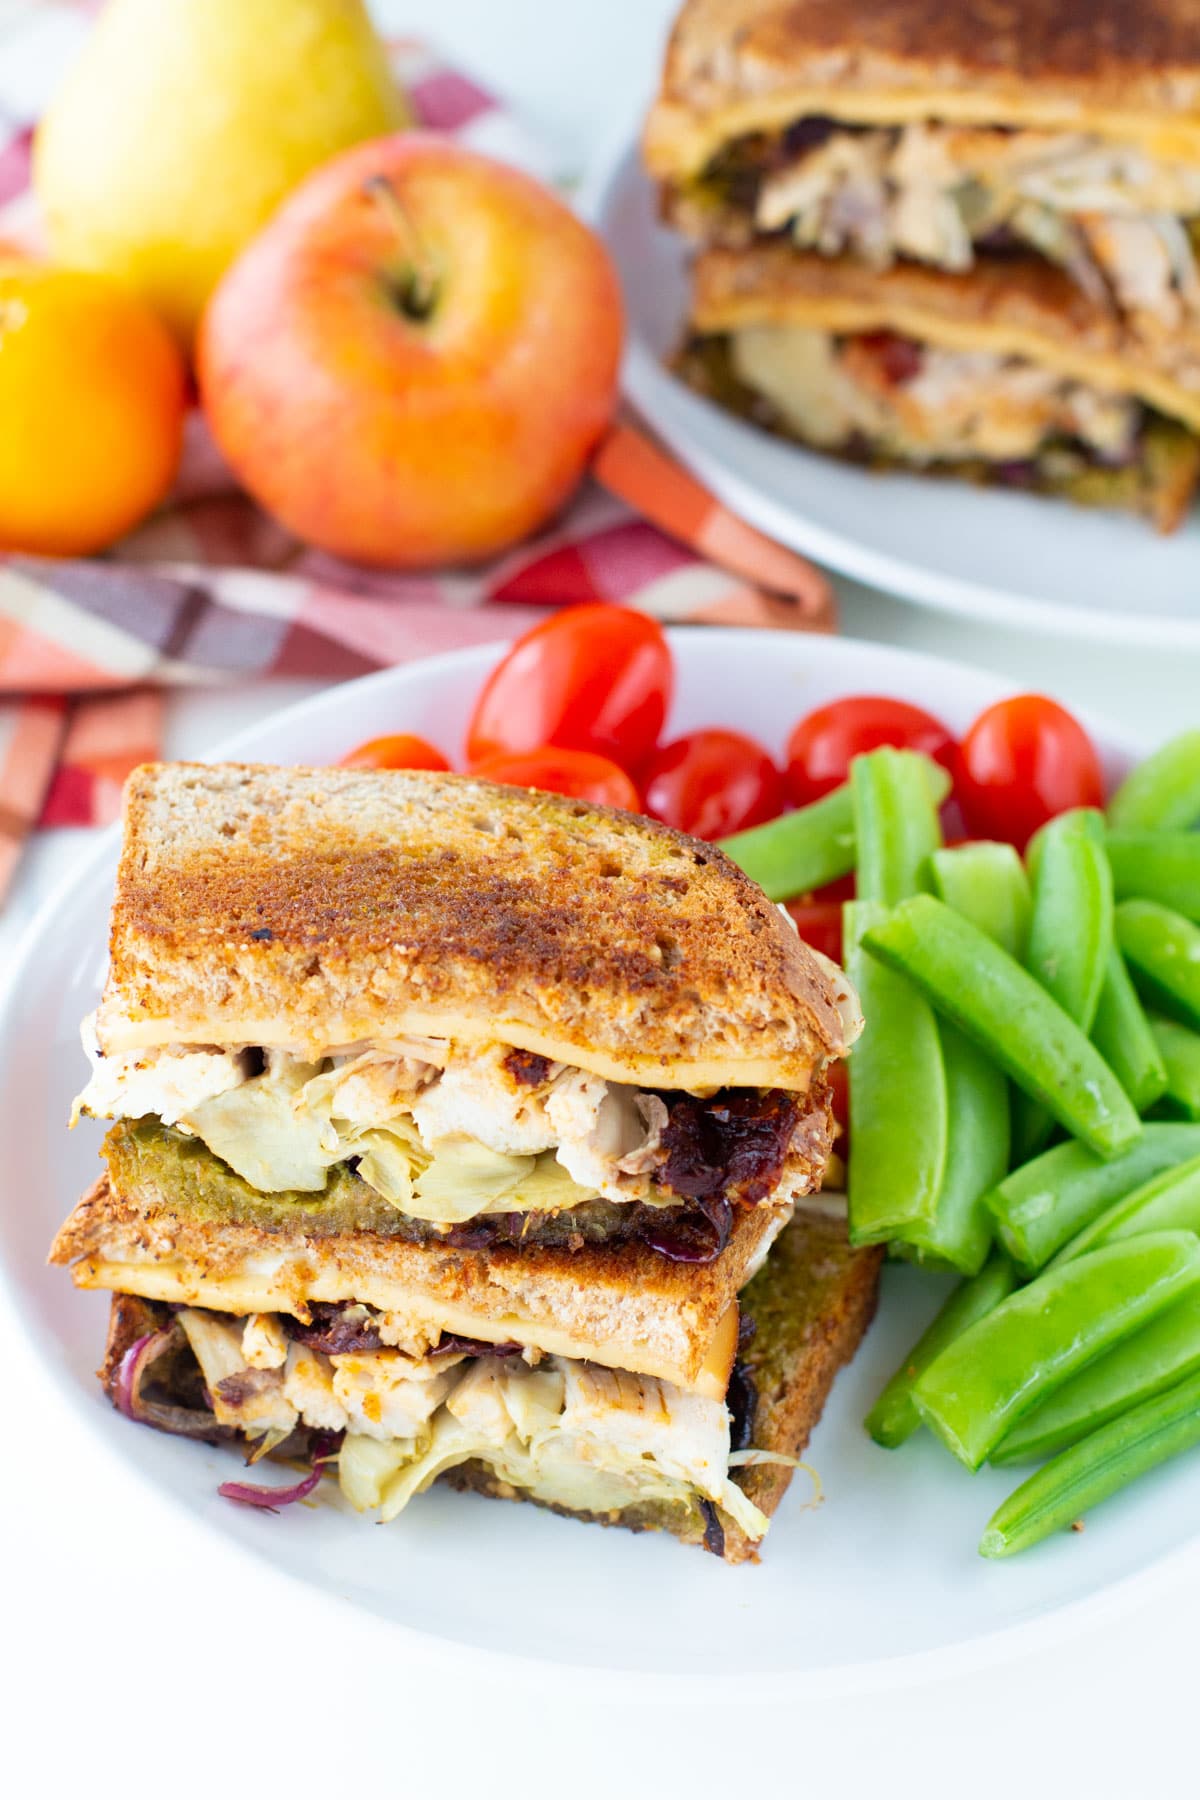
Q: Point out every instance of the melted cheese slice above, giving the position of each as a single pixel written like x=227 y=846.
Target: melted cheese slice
x=181 y=1281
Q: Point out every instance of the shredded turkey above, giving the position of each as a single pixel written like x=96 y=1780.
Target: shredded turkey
x=1107 y=213
x=955 y=405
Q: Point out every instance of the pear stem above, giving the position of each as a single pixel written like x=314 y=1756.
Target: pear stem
x=416 y=287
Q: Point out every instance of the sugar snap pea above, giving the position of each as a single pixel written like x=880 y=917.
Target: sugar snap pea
x=1170 y=1201
x=1163 y=792
x=1040 y=1206
x=1070 y=936
x=1105 y=1461
x=800 y=851
x=1153 y=1359
x=805 y=849
x=1163 y=951
x=1180 y=1051
x=898 y=1110
x=981 y=1384
x=977 y=1136
x=896 y=825
x=993 y=1000
x=1122 y=1034
x=987 y=883
x=1157 y=865
x=894 y=1418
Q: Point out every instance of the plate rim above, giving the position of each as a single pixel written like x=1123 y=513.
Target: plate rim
x=645 y=383
x=989 y=1648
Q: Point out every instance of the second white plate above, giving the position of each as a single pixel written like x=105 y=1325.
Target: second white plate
x=1015 y=559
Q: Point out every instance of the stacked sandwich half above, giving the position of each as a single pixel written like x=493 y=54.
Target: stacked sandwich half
x=958 y=237
x=469 y=1132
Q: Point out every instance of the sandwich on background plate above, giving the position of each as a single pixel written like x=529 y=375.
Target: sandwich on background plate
x=465 y=1131
x=962 y=238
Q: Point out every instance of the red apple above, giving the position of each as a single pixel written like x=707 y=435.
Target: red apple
x=413 y=360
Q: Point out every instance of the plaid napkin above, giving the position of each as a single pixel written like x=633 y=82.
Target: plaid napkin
x=212 y=590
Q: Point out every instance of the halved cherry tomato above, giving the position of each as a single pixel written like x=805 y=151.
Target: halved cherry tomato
x=594 y=678
x=822 y=745
x=399 y=751
x=712 y=783
x=579 y=773
x=819 y=923
x=1023 y=761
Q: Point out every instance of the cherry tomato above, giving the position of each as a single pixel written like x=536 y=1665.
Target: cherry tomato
x=820 y=749
x=1023 y=761
x=712 y=783
x=399 y=751
x=819 y=923
x=593 y=678
x=579 y=773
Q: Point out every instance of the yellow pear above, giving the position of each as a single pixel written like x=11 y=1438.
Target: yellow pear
x=184 y=123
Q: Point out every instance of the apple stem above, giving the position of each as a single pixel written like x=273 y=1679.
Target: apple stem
x=417 y=283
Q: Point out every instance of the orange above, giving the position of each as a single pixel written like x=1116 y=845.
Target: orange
x=92 y=397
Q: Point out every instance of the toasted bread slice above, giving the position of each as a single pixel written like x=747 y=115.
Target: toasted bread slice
x=1019 y=306
x=624 y=1306
x=1125 y=70
x=810 y=1306
x=317 y=908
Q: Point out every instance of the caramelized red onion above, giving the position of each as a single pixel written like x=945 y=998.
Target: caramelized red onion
x=135 y=1364
x=323 y=1446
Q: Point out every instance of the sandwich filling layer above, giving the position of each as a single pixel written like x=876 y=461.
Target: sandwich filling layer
x=563 y=1431
x=1121 y=222
x=882 y=396
x=467 y=1143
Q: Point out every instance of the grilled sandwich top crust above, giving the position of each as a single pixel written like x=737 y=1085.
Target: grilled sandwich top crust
x=1125 y=69
x=1015 y=306
x=319 y=907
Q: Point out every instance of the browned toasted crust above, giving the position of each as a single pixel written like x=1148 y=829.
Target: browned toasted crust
x=1020 y=306
x=333 y=905
x=1125 y=68
x=807 y=1350
x=622 y=1301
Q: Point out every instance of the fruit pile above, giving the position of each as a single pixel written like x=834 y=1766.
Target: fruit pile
x=406 y=351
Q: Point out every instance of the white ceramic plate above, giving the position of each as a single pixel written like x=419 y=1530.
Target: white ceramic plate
x=884 y=1571
x=1014 y=558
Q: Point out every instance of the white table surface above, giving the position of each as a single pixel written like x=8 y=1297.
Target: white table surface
x=129 y=1637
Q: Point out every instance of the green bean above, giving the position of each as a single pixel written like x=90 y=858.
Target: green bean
x=896 y=824
x=1163 y=792
x=1122 y=1034
x=803 y=850
x=898 y=1112
x=1107 y=1460
x=1180 y=1051
x=1163 y=949
x=987 y=883
x=1157 y=865
x=1153 y=1359
x=1039 y=1207
x=1070 y=936
x=1003 y=1009
x=981 y=1384
x=894 y=1418
x=1170 y=1201
x=960 y=1233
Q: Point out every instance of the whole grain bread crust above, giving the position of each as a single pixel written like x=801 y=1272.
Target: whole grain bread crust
x=1125 y=69
x=1013 y=306
x=310 y=907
